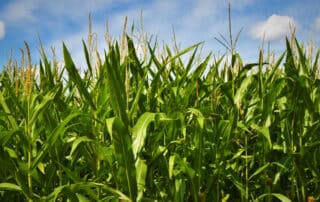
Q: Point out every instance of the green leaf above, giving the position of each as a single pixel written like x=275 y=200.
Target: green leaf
x=238 y=154
x=141 y=87
x=40 y=108
x=263 y=131
x=11 y=152
x=186 y=168
x=274 y=69
x=184 y=51
x=83 y=187
x=140 y=131
x=124 y=155
x=109 y=123
x=259 y=170
x=237 y=182
x=75 y=77
x=241 y=125
x=241 y=91
x=76 y=143
x=59 y=130
x=116 y=85
x=141 y=167
x=8 y=112
x=180 y=186
x=200 y=117
x=9 y=186
x=281 y=197
x=171 y=165
x=70 y=174
x=87 y=56
x=82 y=198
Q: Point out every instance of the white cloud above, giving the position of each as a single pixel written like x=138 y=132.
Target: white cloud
x=275 y=27
x=22 y=11
x=187 y=20
x=2 y=30
x=58 y=20
x=74 y=9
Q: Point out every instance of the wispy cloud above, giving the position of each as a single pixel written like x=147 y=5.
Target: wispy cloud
x=192 y=20
x=19 y=12
x=2 y=30
x=275 y=27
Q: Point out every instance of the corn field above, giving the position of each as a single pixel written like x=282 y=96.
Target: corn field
x=162 y=128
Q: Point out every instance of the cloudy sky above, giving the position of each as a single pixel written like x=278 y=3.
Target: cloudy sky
x=192 y=20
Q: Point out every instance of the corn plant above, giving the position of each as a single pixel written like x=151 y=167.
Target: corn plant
x=160 y=128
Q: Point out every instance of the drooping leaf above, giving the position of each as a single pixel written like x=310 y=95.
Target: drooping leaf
x=281 y=197
x=9 y=186
x=76 y=143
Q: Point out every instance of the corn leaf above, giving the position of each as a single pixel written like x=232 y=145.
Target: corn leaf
x=75 y=77
x=9 y=186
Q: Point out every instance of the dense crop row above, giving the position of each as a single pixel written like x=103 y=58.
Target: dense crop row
x=160 y=128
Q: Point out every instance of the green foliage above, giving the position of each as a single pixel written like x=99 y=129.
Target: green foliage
x=161 y=129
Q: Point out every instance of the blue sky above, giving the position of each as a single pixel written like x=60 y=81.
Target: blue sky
x=193 y=21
